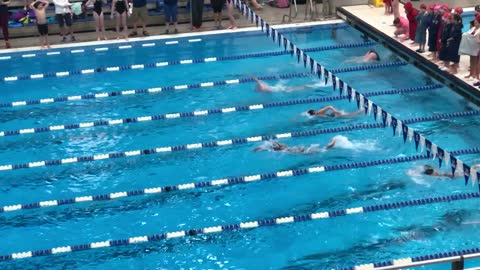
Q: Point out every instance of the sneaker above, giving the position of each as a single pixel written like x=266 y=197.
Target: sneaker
x=145 y=33
x=193 y=27
x=133 y=34
x=201 y=27
x=64 y=39
x=73 y=39
x=476 y=84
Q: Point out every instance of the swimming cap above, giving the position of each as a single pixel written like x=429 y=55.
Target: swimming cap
x=446 y=8
x=423 y=6
x=447 y=16
x=430 y=7
x=459 y=10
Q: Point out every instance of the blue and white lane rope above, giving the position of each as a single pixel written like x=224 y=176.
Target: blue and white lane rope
x=153 y=90
x=98 y=49
x=221 y=143
x=122 y=46
x=228 y=181
x=410 y=262
x=246 y=225
x=168 y=63
x=229 y=110
x=362 y=102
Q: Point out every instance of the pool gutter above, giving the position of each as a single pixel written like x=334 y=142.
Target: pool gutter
x=447 y=79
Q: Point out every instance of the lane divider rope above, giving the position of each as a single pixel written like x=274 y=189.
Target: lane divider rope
x=158 y=64
x=123 y=46
x=196 y=146
x=252 y=107
x=248 y=225
x=228 y=181
x=97 y=49
x=152 y=90
x=362 y=102
x=424 y=259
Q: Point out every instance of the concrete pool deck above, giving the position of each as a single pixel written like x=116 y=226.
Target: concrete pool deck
x=272 y=15
x=376 y=19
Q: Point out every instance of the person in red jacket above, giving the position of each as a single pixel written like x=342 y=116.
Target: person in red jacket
x=412 y=22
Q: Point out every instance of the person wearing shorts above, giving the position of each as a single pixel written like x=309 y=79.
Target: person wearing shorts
x=170 y=14
x=63 y=15
x=139 y=12
x=217 y=6
x=39 y=7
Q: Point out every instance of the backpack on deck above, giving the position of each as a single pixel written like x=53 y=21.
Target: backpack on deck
x=279 y=3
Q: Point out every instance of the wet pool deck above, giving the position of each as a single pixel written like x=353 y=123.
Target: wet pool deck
x=375 y=18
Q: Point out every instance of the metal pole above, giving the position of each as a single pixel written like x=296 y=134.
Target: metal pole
x=458 y=265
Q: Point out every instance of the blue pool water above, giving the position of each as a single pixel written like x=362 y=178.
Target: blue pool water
x=330 y=243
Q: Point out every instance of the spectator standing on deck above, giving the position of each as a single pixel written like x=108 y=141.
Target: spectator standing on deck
x=63 y=15
x=453 y=43
x=197 y=14
x=421 y=33
x=4 y=16
x=119 y=8
x=217 y=6
x=139 y=13
x=444 y=38
x=470 y=46
x=39 y=9
x=412 y=20
x=170 y=7
x=433 y=29
x=388 y=6
x=396 y=9
x=328 y=7
x=98 y=16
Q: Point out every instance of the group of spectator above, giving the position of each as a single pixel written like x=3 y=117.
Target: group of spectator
x=439 y=27
x=120 y=9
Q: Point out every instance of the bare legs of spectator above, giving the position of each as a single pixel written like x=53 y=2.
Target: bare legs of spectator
x=230 y=9
x=122 y=19
x=473 y=68
x=99 y=25
x=4 y=24
x=454 y=68
x=44 y=42
x=217 y=17
x=137 y=17
x=255 y=4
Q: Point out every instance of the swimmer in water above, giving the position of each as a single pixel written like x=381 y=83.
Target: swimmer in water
x=330 y=111
x=279 y=147
x=370 y=56
x=431 y=171
x=263 y=87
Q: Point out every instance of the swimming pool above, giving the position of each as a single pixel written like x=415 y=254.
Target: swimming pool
x=212 y=85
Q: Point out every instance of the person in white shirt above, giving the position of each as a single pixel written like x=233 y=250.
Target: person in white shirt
x=63 y=15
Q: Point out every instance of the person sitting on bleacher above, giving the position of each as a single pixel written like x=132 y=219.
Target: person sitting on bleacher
x=63 y=15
